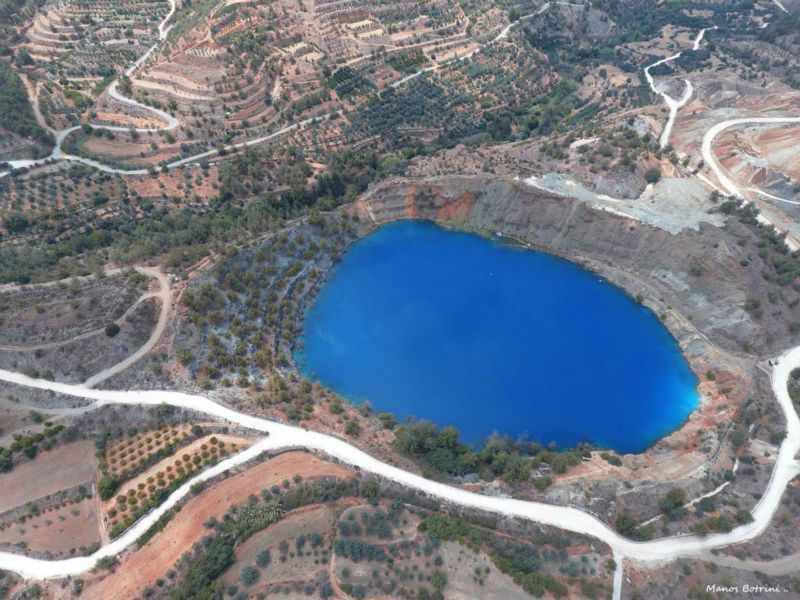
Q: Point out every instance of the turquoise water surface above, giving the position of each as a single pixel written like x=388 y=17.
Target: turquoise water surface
x=452 y=327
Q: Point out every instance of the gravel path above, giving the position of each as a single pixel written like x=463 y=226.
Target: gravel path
x=281 y=436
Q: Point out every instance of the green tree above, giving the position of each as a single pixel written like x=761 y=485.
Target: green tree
x=439 y=580
x=107 y=487
x=263 y=558
x=672 y=504
x=652 y=175
x=249 y=575
x=353 y=429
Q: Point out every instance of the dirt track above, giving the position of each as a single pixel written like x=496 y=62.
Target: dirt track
x=164 y=295
x=145 y=565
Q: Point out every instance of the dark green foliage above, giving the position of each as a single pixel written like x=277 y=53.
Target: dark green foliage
x=210 y=560
x=611 y=459
x=16 y=114
x=438 y=448
x=27 y=444
x=439 y=580
x=450 y=529
x=387 y=420
x=107 y=487
x=378 y=523
x=419 y=103
x=253 y=517
x=107 y=563
x=357 y=551
x=705 y=505
x=627 y=526
x=204 y=300
x=794 y=386
x=652 y=175
x=349 y=175
x=718 y=524
x=249 y=575
x=499 y=457
x=347 y=82
x=521 y=561
x=407 y=62
x=157 y=526
x=743 y=516
x=6 y=461
x=263 y=558
x=672 y=504
x=16 y=223
x=10 y=9
x=551 y=111
x=212 y=556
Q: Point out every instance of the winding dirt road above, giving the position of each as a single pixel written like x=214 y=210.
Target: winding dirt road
x=728 y=185
x=164 y=295
x=172 y=122
x=710 y=158
x=58 y=154
x=281 y=436
x=673 y=104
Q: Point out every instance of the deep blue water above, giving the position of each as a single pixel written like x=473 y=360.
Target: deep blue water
x=448 y=326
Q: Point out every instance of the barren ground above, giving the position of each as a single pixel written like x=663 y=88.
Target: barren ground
x=54 y=470
x=61 y=531
x=143 y=566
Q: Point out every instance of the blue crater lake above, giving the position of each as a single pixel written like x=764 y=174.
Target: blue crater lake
x=452 y=327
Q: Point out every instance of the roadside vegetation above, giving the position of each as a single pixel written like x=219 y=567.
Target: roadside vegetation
x=181 y=451
x=16 y=114
x=383 y=542
x=28 y=445
x=441 y=453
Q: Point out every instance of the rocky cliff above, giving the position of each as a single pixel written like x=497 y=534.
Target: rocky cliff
x=717 y=283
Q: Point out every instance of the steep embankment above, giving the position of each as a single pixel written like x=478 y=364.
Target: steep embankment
x=715 y=283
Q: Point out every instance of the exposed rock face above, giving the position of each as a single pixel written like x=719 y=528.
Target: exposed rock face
x=699 y=282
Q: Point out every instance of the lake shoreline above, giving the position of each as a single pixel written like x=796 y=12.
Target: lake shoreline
x=697 y=454
x=457 y=202
x=515 y=245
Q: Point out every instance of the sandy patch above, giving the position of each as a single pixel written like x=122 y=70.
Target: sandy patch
x=58 y=469
x=58 y=531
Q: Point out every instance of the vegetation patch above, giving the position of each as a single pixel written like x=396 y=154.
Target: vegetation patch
x=16 y=114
